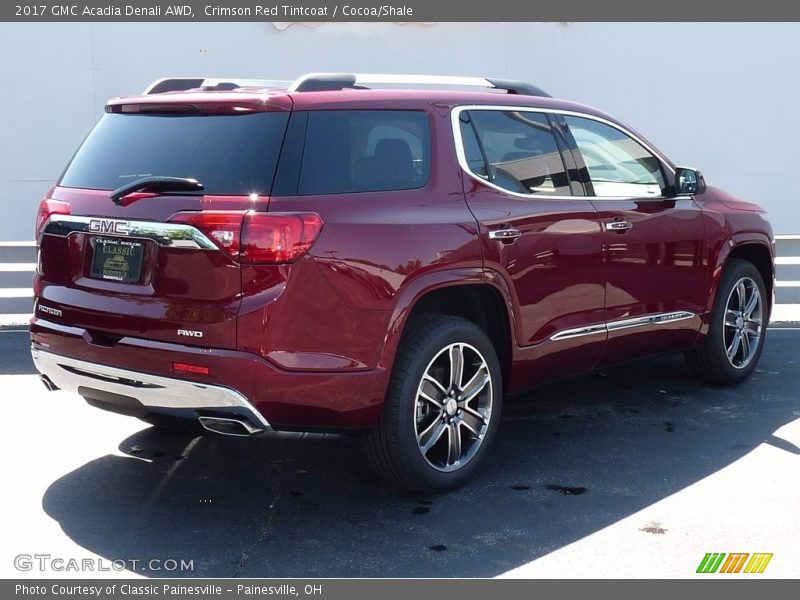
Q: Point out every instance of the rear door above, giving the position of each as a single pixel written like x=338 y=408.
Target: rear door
x=543 y=240
x=656 y=287
x=158 y=266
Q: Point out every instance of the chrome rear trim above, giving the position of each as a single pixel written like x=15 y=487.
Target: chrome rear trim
x=172 y=235
x=153 y=391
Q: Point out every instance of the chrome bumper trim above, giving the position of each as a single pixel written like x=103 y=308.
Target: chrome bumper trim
x=152 y=391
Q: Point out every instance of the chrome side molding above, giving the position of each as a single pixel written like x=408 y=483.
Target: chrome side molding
x=654 y=319
x=579 y=332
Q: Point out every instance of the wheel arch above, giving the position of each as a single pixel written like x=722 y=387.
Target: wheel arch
x=756 y=248
x=462 y=293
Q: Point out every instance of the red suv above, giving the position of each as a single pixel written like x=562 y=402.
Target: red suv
x=329 y=256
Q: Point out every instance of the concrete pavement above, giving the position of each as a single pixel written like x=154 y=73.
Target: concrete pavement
x=635 y=472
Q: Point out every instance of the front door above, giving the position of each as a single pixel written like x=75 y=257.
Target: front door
x=656 y=288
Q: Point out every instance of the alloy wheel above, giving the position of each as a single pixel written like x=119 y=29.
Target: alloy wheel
x=743 y=323
x=453 y=407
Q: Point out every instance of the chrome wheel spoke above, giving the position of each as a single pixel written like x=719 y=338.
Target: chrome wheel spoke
x=468 y=410
x=733 y=349
x=752 y=304
x=741 y=294
x=428 y=438
x=428 y=395
x=476 y=384
x=456 y=366
x=753 y=327
x=753 y=338
x=434 y=382
x=745 y=345
x=454 y=444
x=730 y=318
x=472 y=422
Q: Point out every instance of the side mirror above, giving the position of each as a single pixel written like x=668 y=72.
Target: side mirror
x=689 y=181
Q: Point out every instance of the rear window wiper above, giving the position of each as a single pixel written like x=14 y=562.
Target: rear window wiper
x=157 y=184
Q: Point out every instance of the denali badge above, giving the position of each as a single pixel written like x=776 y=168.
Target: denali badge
x=190 y=333
x=109 y=226
x=50 y=311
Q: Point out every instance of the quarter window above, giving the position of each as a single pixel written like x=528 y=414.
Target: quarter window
x=617 y=164
x=365 y=151
x=514 y=150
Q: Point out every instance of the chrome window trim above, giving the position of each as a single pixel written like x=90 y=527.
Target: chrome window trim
x=170 y=235
x=654 y=319
x=462 y=159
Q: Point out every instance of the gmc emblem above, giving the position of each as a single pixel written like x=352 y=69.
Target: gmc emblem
x=109 y=226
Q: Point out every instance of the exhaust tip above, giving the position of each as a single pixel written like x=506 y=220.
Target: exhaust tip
x=229 y=426
x=52 y=387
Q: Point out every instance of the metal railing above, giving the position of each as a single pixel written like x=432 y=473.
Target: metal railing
x=18 y=263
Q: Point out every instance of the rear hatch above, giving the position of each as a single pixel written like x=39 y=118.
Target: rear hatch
x=160 y=259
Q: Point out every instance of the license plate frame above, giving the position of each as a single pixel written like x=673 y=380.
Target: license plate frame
x=117 y=260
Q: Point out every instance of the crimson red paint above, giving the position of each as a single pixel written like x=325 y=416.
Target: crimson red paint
x=303 y=302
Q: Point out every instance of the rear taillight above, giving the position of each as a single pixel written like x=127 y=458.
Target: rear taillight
x=222 y=227
x=47 y=208
x=270 y=238
x=257 y=237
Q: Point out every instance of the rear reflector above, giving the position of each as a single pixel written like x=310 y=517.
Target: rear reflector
x=272 y=238
x=187 y=368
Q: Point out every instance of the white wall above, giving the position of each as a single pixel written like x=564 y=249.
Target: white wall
x=721 y=97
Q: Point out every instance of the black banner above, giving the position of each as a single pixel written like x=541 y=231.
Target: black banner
x=400 y=10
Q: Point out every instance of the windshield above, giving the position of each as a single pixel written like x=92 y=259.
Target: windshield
x=229 y=154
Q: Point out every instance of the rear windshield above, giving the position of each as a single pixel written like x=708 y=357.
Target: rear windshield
x=228 y=154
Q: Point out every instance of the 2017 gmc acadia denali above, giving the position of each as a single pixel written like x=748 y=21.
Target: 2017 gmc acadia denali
x=390 y=262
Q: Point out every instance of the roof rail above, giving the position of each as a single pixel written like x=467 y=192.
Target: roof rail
x=316 y=82
x=180 y=84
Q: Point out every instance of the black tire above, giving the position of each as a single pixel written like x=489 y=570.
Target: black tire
x=430 y=345
x=711 y=361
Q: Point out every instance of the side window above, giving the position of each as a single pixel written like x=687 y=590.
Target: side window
x=472 y=149
x=617 y=164
x=365 y=151
x=514 y=150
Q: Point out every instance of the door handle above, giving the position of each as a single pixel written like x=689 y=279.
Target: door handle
x=618 y=226
x=507 y=235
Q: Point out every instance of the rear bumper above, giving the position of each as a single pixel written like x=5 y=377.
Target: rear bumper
x=139 y=394
x=331 y=401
